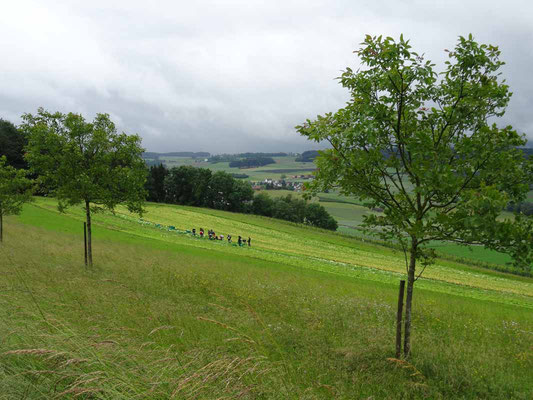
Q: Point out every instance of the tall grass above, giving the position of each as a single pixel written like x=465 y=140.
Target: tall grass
x=178 y=321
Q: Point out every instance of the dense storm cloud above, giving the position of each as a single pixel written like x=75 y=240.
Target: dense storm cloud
x=230 y=76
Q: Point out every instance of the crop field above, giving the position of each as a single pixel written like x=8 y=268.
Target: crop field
x=301 y=314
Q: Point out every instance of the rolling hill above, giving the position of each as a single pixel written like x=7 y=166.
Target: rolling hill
x=303 y=313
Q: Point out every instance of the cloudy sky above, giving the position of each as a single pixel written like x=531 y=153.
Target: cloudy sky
x=230 y=76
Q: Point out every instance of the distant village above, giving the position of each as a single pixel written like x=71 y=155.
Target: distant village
x=281 y=184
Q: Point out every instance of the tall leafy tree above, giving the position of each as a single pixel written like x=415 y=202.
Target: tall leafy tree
x=241 y=196
x=182 y=184
x=289 y=208
x=316 y=215
x=263 y=204
x=419 y=145
x=12 y=143
x=15 y=190
x=227 y=193
x=202 y=179
x=86 y=163
x=187 y=185
x=155 y=184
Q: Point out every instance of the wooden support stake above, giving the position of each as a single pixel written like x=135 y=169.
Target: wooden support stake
x=85 y=240
x=399 y=321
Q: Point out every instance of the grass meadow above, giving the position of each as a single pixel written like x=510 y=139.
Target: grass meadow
x=349 y=214
x=302 y=314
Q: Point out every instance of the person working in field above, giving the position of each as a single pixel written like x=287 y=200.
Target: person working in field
x=249 y=241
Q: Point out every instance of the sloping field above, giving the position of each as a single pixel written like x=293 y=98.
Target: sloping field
x=302 y=313
x=279 y=241
x=349 y=214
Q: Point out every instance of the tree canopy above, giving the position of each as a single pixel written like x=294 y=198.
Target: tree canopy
x=420 y=145
x=86 y=163
x=12 y=143
x=187 y=185
x=252 y=162
x=155 y=183
x=15 y=190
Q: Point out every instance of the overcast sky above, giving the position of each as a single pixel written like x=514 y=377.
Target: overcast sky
x=230 y=76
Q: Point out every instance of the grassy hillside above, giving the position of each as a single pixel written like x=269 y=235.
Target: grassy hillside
x=303 y=314
x=349 y=214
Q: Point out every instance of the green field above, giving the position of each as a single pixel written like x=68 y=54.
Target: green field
x=349 y=214
x=302 y=314
x=283 y=166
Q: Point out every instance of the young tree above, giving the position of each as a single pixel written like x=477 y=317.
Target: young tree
x=86 y=162
x=15 y=190
x=419 y=145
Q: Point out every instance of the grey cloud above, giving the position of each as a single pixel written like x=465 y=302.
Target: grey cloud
x=228 y=76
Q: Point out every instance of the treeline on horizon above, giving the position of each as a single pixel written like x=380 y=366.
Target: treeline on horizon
x=200 y=187
x=307 y=156
x=252 y=162
x=238 y=160
x=192 y=154
x=153 y=158
x=244 y=156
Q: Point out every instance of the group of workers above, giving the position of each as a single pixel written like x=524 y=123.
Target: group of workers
x=213 y=236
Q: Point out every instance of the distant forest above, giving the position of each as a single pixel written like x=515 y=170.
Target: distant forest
x=307 y=156
x=252 y=162
x=152 y=158
x=199 y=154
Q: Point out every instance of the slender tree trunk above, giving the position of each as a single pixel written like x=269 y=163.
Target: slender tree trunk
x=1 y=227
x=409 y=299
x=89 y=245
